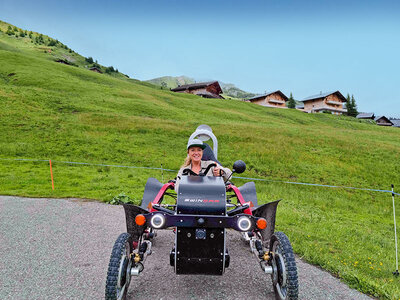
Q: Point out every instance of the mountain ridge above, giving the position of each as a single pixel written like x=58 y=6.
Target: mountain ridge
x=170 y=82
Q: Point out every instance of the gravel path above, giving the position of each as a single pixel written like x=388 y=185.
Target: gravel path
x=59 y=249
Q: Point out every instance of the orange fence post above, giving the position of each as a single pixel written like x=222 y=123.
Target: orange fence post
x=51 y=172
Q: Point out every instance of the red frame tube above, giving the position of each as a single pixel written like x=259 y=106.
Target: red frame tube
x=157 y=199
x=241 y=200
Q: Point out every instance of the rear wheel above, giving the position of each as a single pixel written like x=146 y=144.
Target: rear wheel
x=119 y=269
x=284 y=276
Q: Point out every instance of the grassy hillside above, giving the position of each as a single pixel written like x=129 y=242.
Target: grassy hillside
x=230 y=91
x=65 y=113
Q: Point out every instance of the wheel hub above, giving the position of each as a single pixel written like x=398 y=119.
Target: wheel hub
x=279 y=274
x=124 y=274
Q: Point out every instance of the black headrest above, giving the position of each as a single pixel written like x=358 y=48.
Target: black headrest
x=208 y=154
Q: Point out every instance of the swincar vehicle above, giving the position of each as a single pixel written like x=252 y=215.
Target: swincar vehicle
x=202 y=210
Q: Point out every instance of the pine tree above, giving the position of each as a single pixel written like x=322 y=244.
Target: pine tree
x=349 y=106
x=353 y=107
x=291 y=102
x=9 y=30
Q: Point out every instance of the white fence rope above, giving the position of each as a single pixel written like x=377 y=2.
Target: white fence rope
x=238 y=177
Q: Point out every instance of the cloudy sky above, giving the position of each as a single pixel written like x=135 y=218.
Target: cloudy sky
x=304 y=47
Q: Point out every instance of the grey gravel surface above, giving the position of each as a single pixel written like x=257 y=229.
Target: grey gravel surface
x=59 y=249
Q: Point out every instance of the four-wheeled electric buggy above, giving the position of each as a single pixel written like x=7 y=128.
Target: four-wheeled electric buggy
x=202 y=210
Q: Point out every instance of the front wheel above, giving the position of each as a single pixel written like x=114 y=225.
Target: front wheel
x=119 y=269
x=284 y=276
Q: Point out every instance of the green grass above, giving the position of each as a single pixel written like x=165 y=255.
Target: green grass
x=65 y=113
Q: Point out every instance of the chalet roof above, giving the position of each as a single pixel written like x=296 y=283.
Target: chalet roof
x=395 y=122
x=323 y=95
x=267 y=94
x=64 y=61
x=96 y=69
x=194 y=86
x=382 y=118
x=365 y=116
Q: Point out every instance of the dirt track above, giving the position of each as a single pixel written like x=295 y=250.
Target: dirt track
x=59 y=249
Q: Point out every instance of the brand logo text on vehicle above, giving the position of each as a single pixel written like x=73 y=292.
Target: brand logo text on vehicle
x=196 y=200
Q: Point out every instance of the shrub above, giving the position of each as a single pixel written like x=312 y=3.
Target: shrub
x=110 y=69
x=121 y=198
x=89 y=60
x=39 y=39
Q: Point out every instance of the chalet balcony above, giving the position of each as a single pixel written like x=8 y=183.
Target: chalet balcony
x=276 y=101
x=274 y=106
x=329 y=108
x=334 y=102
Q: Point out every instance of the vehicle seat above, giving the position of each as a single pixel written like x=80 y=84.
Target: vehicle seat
x=208 y=154
x=248 y=191
x=153 y=186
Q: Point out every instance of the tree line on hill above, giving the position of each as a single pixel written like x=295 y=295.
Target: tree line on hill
x=40 y=39
x=95 y=64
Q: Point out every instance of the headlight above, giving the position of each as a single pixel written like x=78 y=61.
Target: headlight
x=244 y=223
x=157 y=221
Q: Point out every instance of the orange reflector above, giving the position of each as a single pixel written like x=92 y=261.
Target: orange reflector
x=261 y=223
x=140 y=220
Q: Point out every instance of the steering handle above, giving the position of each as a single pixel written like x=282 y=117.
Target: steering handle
x=208 y=169
x=189 y=172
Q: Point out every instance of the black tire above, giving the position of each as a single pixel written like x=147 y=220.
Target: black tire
x=118 y=275
x=284 y=278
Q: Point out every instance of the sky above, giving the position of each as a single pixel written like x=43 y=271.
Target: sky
x=300 y=47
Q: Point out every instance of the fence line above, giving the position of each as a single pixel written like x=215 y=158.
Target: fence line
x=238 y=177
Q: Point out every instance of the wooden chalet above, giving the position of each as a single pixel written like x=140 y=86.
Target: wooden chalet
x=273 y=99
x=95 y=69
x=383 y=121
x=64 y=61
x=370 y=116
x=210 y=89
x=331 y=102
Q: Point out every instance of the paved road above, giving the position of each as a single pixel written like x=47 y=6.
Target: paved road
x=59 y=249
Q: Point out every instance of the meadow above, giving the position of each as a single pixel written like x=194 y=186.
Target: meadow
x=68 y=113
